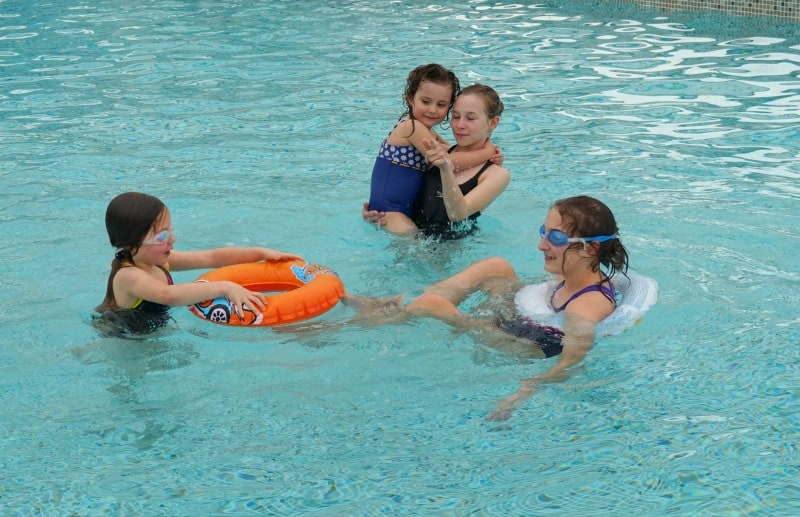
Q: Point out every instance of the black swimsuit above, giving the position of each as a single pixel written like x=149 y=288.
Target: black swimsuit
x=143 y=317
x=546 y=337
x=430 y=214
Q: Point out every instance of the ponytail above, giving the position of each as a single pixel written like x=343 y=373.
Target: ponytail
x=613 y=256
x=121 y=257
x=129 y=217
x=584 y=215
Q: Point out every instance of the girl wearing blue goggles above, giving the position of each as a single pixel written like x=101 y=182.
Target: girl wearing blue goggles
x=558 y=239
x=583 y=292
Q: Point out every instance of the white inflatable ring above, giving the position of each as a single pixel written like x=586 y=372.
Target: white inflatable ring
x=638 y=292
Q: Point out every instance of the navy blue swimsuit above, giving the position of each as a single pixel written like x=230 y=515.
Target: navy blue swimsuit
x=396 y=178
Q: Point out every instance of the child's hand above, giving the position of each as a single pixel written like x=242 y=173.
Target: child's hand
x=506 y=406
x=503 y=409
x=436 y=153
x=372 y=216
x=270 y=255
x=239 y=296
x=500 y=413
x=498 y=156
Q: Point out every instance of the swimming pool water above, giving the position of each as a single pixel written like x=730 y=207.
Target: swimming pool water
x=257 y=123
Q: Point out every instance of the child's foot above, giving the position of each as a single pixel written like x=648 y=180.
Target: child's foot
x=376 y=311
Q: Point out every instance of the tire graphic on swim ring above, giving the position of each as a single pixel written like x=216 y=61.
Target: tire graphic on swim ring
x=219 y=314
x=293 y=290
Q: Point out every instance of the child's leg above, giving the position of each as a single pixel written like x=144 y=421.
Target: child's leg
x=441 y=300
x=488 y=274
x=399 y=223
x=372 y=311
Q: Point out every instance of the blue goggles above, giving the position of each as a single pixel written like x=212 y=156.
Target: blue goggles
x=160 y=238
x=558 y=239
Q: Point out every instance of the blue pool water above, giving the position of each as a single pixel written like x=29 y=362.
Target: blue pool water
x=257 y=123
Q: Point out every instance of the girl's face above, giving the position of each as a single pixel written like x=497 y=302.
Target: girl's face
x=157 y=244
x=556 y=259
x=431 y=102
x=471 y=125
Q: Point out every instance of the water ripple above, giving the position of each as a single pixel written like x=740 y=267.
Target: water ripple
x=238 y=113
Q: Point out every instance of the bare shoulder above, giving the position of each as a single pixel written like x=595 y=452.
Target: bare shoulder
x=128 y=273
x=495 y=174
x=400 y=131
x=592 y=306
x=499 y=169
x=410 y=132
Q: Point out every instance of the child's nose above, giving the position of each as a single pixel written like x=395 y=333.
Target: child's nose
x=543 y=244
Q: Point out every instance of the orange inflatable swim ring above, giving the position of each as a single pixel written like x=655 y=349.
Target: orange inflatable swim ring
x=307 y=290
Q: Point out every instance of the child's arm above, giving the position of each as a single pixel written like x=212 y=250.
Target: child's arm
x=218 y=257
x=131 y=283
x=577 y=342
x=558 y=373
x=441 y=139
x=415 y=133
x=459 y=206
x=467 y=159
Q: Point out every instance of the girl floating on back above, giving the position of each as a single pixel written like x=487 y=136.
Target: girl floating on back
x=581 y=247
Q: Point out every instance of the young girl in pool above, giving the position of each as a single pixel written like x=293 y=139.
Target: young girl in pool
x=400 y=165
x=140 y=288
x=450 y=201
x=581 y=247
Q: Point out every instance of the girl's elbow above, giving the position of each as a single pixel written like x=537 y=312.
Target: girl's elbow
x=171 y=299
x=571 y=358
x=174 y=296
x=457 y=214
x=457 y=217
x=454 y=217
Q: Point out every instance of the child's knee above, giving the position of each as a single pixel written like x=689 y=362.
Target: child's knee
x=399 y=223
x=431 y=303
x=497 y=267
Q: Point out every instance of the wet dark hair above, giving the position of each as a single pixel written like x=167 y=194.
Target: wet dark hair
x=584 y=216
x=494 y=106
x=432 y=73
x=129 y=218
